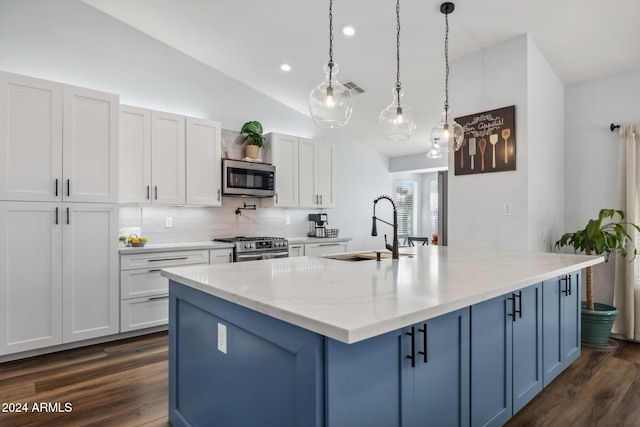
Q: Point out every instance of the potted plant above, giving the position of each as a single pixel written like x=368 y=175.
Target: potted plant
x=252 y=132
x=599 y=237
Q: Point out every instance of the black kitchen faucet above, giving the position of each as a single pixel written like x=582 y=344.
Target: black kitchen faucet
x=374 y=231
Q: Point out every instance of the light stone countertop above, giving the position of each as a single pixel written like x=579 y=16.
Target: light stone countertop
x=184 y=246
x=308 y=240
x=353 y=301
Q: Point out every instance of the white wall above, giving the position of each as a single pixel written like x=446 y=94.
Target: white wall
x=592 y=154
x=490 y=79
x=71 y=42
x=545 y=156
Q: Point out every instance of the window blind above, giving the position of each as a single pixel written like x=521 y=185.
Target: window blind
x=406 y=205
x=433 y=205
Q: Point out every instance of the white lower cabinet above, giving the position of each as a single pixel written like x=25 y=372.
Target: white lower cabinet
x=58 y=273
x=296 y=250
x=144 y=292
x=320 y=249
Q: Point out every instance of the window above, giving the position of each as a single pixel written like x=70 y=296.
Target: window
x=407 y=205
x=433 y=205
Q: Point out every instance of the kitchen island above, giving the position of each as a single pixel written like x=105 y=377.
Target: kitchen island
x=440 y=337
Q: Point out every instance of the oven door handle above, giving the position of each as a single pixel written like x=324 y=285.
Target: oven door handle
x=278 y=254
x=248 y=257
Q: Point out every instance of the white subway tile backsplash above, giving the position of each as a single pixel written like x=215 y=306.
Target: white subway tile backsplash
x=195 y=224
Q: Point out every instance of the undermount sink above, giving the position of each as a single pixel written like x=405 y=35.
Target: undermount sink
x=363 y=256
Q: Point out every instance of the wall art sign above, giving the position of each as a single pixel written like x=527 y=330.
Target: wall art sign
x=489 y=143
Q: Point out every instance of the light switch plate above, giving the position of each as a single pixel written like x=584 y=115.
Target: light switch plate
x=169 y=222
x=222 y=338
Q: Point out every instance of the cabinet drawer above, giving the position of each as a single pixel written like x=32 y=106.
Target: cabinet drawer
x=163 y=259
x=140 y=313
x=220 y=256
x=142 y=283
x=319 y=249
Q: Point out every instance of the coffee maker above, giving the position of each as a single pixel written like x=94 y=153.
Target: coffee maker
x=317 y=225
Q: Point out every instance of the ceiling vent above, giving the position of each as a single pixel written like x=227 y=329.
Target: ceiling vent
x=353 y=88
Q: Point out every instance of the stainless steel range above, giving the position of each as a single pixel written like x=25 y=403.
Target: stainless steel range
x=254 y=248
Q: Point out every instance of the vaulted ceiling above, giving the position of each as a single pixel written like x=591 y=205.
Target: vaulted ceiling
x=248 y=40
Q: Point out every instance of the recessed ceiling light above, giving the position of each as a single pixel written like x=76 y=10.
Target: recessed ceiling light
x=285 y=67
x=348 y=30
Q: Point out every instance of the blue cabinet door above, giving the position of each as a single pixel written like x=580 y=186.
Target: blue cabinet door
x=527 y=346
x=561 y=324
x=270 y=373
x=364 y=381
x=552 y=336
x=571 y=325
x=491 y=362
x=441 y=380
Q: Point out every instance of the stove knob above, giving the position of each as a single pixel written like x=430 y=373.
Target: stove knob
x=247 y=246
x=278 y=244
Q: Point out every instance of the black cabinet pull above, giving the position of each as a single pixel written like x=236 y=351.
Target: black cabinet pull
x=56 y=189
x=68 y=187
x=569 y=280
x=148 y=192
x=519 y=311
x=424 y=341
x=218 y=194
x=67 y=216
x=156 y=192
x=565 y=291
x=413 y=346
x=512 y=298
x=56 y=215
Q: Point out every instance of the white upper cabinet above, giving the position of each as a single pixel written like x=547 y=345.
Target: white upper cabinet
x=316 y=174
x=284 y=155
x=167 y=158
x=45 y=126
x=135 y=155
x=204 y=164
x=90 y=146
x=30 y=138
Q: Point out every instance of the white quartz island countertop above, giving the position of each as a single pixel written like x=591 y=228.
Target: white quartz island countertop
x=353 y=301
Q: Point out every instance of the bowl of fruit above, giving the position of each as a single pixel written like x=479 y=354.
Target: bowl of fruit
x=137 y=242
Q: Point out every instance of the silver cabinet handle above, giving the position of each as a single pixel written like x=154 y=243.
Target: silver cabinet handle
x=167 y=259
x=218 y=194
x=157 y=298
x=329 y=244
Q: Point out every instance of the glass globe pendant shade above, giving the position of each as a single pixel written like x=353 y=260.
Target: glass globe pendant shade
x=448 y=132
x=330 y=102
x=434 y=152
x=397 y=121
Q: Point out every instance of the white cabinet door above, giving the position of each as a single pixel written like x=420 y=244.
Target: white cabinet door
x=203 y=146
x=90 y=146
x=30 y=138
x=308 y=173
x=220 y=256
x=326 y=174
x=167 y=158
x=296 y=250
x=30 y=276
x=285 y=158
x=90 y=271
x=135 y=155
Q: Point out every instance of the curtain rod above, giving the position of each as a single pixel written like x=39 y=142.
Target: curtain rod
x=613 y=127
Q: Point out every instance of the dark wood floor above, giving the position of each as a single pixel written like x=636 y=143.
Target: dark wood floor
x=124 y=383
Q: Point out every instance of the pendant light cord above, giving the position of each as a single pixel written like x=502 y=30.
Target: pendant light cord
x=330 y=40
x=446 y=67
x=398 y=85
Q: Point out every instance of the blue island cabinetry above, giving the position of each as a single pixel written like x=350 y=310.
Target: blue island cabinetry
x=475 y=366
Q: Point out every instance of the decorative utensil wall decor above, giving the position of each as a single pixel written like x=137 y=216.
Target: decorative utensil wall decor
x=496 y=127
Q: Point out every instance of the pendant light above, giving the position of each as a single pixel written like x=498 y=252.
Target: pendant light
x=330 y=102
x=397 y=121
x=447 y=132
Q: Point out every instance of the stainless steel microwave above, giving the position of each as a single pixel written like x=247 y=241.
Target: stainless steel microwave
x=250 y=179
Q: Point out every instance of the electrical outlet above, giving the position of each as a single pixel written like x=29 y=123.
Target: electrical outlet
x=222 y=338
x=507 y=209
x=169 y=222
x=287 y=220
